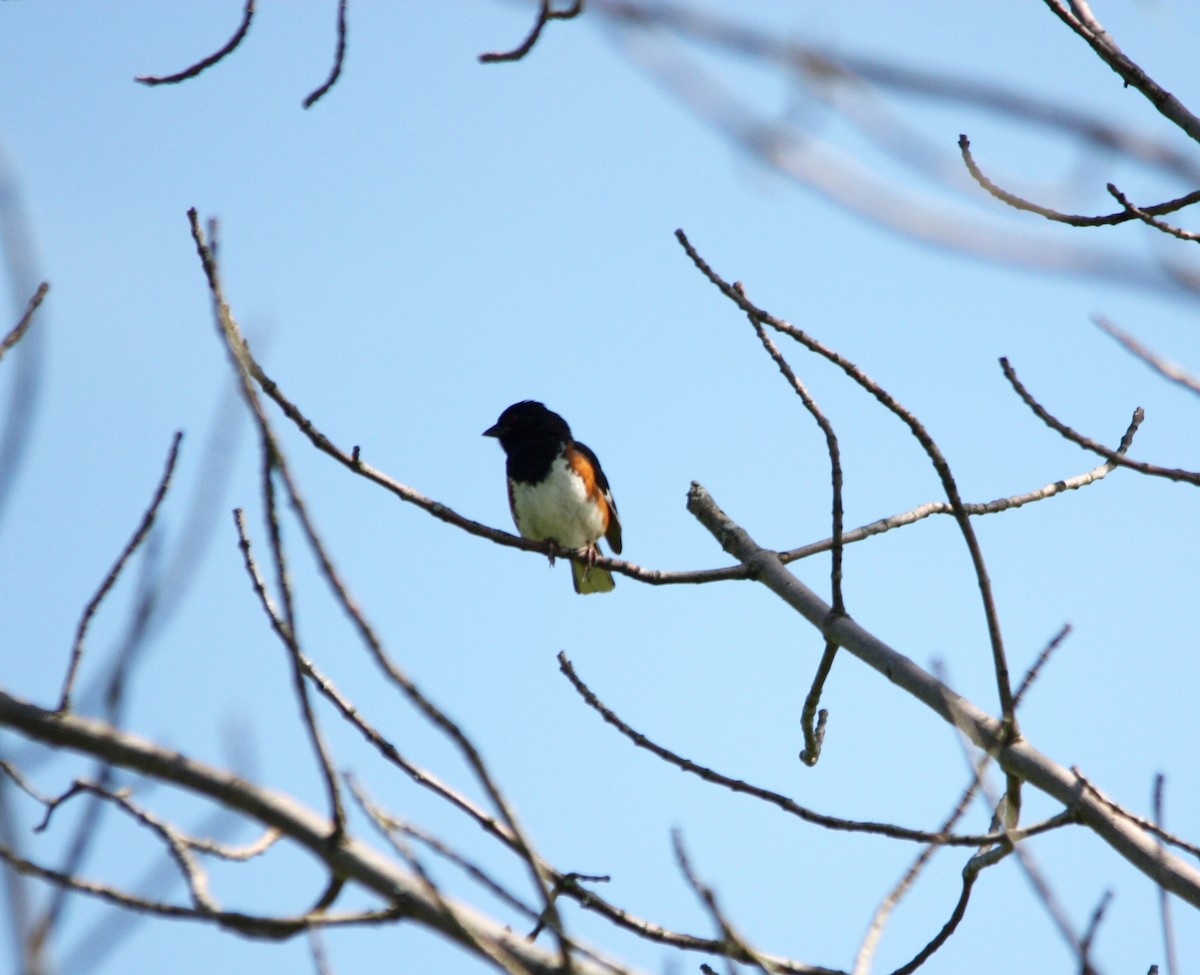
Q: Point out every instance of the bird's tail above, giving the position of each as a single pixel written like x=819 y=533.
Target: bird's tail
x=591 y=578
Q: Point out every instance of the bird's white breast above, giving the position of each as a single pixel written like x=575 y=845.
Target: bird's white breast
x=558 y=508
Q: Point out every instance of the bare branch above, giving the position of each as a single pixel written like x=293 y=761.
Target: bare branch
x=827 y=68
x=737 y=294
x=969 y=875
x=1113 y=456
x=139 y=536
x=1147 y=218
x=1080 y=19
x=338 y=56
x=1164 y=904
x=922 y=511
x=1072 y=219
x=257 y=926
x=208 y=62
x=780 y=801
x=1032 y=673
x=813 y=724
x=178 y=844
x=351 y=858
x=546 y=14
x=1168 y=370
x=1148 y=825
x=870 y=942
x=17 y=332
x=283 y=629
x=736 y=947
x=1017 y=757
x=1089 y=936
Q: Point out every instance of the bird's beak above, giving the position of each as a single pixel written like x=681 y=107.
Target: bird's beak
x=492 y=431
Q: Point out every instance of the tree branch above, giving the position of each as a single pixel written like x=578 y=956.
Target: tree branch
x=351 y=859
x=1018 y=758
x=190 y=72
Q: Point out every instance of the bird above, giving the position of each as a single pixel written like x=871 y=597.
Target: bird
x=556 y=490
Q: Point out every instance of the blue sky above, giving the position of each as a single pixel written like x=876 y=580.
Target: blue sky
x=437 y=239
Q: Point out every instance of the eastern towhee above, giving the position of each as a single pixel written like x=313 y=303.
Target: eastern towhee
x=556 y=490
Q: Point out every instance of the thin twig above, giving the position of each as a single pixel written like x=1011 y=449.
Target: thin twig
x=283 y=630
x=870 y=942
x=812 y=723
x=387 y=824
x=1168 y=370
x=139 y=536
x=1072 y=219
x=258 y=926
x=272 y=460
x=1032 y=673
x=208 y=62
x=1141 y=821
x=1164 y=902
x=929 y=508
x=178 y=844
x=1145 y=216
x=339 y=55
x=1093 y=928
x=546 y=14
x=970 y=874
x=736 y=947
x=17 y=332
x=1081 y=20
x=782 y=802
x=1113 y=456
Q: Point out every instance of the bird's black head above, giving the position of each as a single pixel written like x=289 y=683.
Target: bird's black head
x=528 y=422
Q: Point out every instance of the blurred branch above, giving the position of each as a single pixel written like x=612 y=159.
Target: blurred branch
x=195 y=69
x=735 y=946
x=1168 y=370
x=1164 y=903
x=1093 y=928
x=870 y=942
x=21 y=266
x=823 y=67
x=802 y=155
